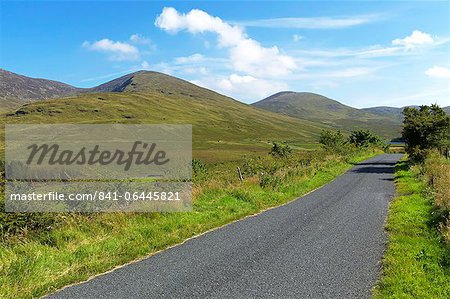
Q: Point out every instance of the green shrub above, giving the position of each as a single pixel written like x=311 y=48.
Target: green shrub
x=280 y=150
x=426 y=128
x=20 y=223
x=331 y=139
x=364 y=138
x=252 y=167
x=267 y=180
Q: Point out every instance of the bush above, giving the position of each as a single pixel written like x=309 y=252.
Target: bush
x=364 y=138
x=21 y=223
x=426 y=128
x=331 y=139
x=268 y=180
x=252 y=167
x=280 y=150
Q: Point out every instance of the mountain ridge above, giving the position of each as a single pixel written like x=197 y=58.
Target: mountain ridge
x=319 y=108
x=16 y=90
x=223 y=128
x=394 y=111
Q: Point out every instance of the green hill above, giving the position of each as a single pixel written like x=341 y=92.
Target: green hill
x=223 y=128
x=393 y=112
x=317 y=108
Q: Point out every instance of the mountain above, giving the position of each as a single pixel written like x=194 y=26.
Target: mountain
x=16 y=90
x=393 y=112
x=154 y=82
x=223 y=128
x=318 y=108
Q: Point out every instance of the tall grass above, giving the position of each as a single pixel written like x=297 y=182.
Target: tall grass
x=37 y=261
x=437 y=172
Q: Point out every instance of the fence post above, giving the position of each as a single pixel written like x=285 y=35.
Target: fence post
x=240 y=174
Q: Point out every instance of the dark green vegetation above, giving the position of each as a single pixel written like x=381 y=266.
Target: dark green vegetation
x=425 y=129
x=333 y=140
x=280 y=150
x=317 y=108
x=364 y=138
x=336 y=142
x=417 y=262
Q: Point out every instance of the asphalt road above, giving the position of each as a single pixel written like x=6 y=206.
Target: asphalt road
x=327 y=244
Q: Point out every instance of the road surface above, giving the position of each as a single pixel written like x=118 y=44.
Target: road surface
x=327 y=244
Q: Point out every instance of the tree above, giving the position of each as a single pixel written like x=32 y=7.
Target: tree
x=331 y=139
x=426 y=128
x=364 y=138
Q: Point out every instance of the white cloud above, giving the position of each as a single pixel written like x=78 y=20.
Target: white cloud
x=249 y=57
x=311 y=23
x=296 y=38
x=139 y=39
x=351 y=72
x=190 y=59
x=246 y=54
x=320 y=85
x=438 y=72
x=416 y=39
x=198 y=21
x=145 y=65
x=116 y=50
x=195 y=70
x=245 y=88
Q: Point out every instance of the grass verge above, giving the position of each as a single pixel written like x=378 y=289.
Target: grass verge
x=85 y=245
x=417 y=261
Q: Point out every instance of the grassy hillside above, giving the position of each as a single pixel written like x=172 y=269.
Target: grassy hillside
x=17 y=90
x=156 y=83
x=223 y=128
x=314 y=107
x=393 y=112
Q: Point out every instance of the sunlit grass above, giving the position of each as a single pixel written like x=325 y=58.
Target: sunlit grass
x=417 y=262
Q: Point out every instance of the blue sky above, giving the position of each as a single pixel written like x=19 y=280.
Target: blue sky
x=361 y=53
